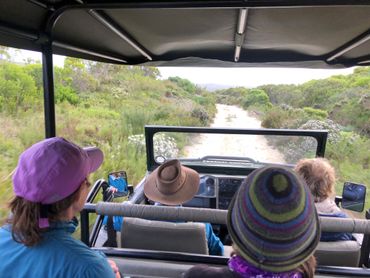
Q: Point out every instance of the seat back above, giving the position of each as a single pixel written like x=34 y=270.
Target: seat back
x=138 y=233
x=338 y=253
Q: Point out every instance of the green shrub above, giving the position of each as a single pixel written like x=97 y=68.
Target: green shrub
x=201 y=114
x=134 y=120
x=315 y=113
x=275 y=118
x=17 y=88
x=66 y=93
x=256 y=97
x=183 y=83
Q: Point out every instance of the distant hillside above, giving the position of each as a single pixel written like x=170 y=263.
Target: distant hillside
x=214 y=87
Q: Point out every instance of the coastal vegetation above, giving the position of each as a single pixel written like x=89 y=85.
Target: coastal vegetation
x=96 y=104
x=339 y=104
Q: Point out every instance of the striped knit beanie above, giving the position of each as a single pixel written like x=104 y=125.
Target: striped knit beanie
x=272 y=220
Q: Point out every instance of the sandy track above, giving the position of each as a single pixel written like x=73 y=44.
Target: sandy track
x=253 y=146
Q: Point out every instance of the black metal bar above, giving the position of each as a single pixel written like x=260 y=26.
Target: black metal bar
x=365 y=247
x=18 y=32
x=293 y=132
x=149 y=150
x=359 y=40
x=95 y=230
x=321 y=145
x=90 y=208
x=338 y=200
x=117 y=4
x=95 y=189
x=89 y=52
x=118 y=30
x=48 y=80
x=41 y=4
x=84 y=218
x=29 y=35
x=163 y=255
x=319 y=135
x=336 y=271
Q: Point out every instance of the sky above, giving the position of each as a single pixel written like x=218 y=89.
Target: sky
x=250 y=77
x=225 y=77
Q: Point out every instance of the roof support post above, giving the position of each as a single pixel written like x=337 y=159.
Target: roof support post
x=240 y=33
x=48 y=81
x=112 y=26
x=357 y=41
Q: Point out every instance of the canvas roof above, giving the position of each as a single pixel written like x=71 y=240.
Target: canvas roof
x=313 y=34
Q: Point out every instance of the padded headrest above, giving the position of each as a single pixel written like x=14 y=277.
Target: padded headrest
x=138 y=233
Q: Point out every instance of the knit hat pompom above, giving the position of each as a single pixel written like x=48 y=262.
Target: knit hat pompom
x=273 y=221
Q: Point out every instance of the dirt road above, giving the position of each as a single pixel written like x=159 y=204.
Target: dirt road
x=253 y=146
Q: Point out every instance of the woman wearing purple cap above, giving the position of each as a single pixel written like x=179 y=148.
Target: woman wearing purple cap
x=274 y=227
x=51 y=186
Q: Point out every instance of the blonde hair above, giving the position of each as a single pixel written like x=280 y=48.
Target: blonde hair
x=319 y=176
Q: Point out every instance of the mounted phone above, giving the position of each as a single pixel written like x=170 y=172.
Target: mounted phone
x=118 y=180
x=353 y=197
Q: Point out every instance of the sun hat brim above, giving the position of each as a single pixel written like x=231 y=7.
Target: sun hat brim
x=185 y=193
x=95 y=158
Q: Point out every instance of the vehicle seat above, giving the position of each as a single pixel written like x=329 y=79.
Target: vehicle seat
x=139 y=233
x=338 y=253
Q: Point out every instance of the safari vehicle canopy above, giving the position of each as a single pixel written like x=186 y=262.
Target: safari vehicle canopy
x=310 y=34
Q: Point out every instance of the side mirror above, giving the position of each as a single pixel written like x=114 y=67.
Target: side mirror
x=118 y=180
x=353 y=197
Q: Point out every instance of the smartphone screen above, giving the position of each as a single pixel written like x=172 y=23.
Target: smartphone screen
x=353 y=197
x=119 y=181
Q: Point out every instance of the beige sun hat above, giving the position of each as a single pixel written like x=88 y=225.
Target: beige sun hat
x=171 y=183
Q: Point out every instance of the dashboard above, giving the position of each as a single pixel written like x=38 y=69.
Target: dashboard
x=215 y=191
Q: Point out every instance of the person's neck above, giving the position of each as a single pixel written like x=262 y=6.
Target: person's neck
x=66 y=215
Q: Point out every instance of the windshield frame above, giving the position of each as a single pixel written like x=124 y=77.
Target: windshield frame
x=150 y=130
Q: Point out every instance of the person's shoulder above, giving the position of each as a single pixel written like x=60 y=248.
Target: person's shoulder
x=80 y=259
x=97 y=269
x=5 y=229
x=6 y=238
x=70 y=248
x=328 y=208
x=208 y=271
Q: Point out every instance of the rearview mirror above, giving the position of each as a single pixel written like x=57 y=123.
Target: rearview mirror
x=353 y=197
x=118 y=180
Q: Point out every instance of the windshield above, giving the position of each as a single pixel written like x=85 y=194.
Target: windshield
x=232 y=149
x=225 y=147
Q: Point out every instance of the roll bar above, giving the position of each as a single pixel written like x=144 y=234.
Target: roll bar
x=216 y=216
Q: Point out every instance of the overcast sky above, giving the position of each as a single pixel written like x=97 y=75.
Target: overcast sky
x=250 y=77
x=233 y=77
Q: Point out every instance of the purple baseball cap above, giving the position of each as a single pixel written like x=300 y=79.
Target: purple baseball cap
x=53 y=169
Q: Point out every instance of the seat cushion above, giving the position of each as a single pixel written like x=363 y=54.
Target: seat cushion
x=164 y=236
x=338 y=253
